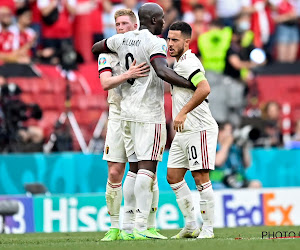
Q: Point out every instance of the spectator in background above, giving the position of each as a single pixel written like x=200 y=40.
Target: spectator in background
x=17 y=135
x=213 y=46
x=36 y=18
x=262 y=24
x=171 y=15
x=57 y=28
x=187 y=7
x=128 y=4
x=13 y=39
x=97 y=20
x=109 y=27
x=233 y=160
x=228 y=10
x=238 y=56
x=287 y=32
x=271 y=134
x=93 y=9
x=199 y=23
x=24 y=35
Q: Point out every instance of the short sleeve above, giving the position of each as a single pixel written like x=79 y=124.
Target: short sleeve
x=104 y=63
x=158 y=48
x=192 y=70
x=113 y=43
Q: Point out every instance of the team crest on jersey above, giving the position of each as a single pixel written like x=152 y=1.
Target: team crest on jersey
x=106 y=149
x=161 y=150
x=102 y=61
x=164 y=48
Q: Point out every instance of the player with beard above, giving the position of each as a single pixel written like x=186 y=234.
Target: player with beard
x=195 y=141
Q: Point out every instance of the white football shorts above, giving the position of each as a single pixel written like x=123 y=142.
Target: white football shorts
x=194 y=151
x=114 y=149
x=146 y=140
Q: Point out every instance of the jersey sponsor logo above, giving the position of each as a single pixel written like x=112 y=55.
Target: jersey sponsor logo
x=164 y=48
x=196 y=163
x=102 y=61
x=107 y=150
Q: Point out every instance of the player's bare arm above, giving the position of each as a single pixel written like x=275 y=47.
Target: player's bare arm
x=100 y=47
x=161 y=68
x=135 y=71
x=202 y=91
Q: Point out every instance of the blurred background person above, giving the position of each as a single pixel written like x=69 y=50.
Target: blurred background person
x=108 y=19
x=171 y=15
x=238 y=55
x=57 y=20
x=200 y=24
x=213 y=46
x=233 y=160
x=16 y=135
x=262 y=24
x=228 y=10
x=271 y=134
x=287 y=31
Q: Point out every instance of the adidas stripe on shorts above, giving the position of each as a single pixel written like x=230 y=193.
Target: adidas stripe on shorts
x=146 y=140
x=194 y=151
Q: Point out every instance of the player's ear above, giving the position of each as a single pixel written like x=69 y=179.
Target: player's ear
x=153 y=20
x=135 y=26
x=187 y=41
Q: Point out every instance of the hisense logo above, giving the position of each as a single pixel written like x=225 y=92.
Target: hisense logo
x=68 y=217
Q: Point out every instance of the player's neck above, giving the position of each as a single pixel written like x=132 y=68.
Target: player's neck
x=144 y=27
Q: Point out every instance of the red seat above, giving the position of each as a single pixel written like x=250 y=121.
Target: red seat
x=79 y=102
x=50 y=101
x=87 y=117
x=28 y=97
x=97 y=102
x=48 y=121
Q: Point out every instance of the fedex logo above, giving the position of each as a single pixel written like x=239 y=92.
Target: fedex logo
x=256 y=215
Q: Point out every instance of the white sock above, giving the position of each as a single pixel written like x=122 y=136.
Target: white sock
x=143 y=195
x=129 y=202
x=154 y=205
x=113 y=201
x=207 y=205
x=185 y=202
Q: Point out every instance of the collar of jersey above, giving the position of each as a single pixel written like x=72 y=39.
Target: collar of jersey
x=189 y=51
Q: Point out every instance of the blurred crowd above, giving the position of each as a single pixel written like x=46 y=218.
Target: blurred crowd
x=231 y=37
x=40 y=30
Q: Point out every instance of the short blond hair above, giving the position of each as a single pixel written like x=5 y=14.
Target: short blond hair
x=126 y=12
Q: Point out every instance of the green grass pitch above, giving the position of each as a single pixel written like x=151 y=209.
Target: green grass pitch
x=242 y=238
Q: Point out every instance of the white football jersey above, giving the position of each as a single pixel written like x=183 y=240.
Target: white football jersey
x=199 y=118
x=110 y=62
x=143 y=98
